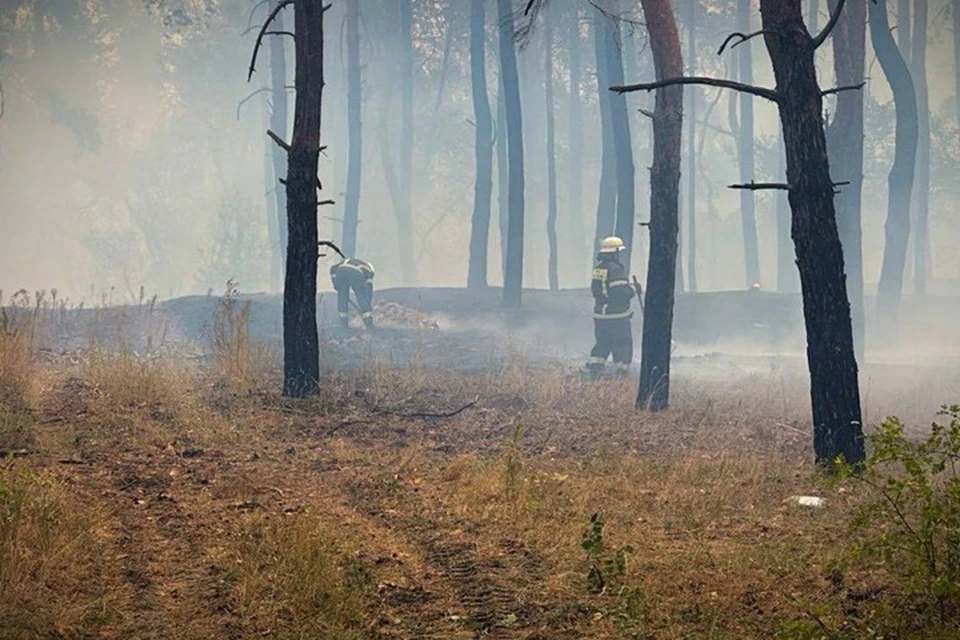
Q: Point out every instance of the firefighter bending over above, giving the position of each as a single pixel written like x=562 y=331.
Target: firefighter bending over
x=357 y=275
x=612 y=293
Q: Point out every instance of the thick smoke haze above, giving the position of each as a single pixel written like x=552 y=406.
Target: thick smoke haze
x=123 y=163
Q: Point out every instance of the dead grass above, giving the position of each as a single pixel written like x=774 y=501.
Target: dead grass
x=159 y=499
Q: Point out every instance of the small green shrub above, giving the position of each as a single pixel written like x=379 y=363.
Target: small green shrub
x=607 y=566
x=910 y=524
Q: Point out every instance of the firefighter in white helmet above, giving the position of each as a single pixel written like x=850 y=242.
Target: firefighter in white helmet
x=612 y=293
x=357 y=275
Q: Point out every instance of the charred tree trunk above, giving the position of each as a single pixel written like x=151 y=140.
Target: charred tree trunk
x=351 y=210
x=834 y=386
x=279 y=125
x=575 y=155
x=921 y=191
x=622 y=142
x=900 y=179
x=513 y=277
x=845 y=144
x=745 y=152
x=607 y=199
x=483 y=144
x=301 y=349
x=691 y=119
x=654 y=388
x=408 y=269
x=552 y=262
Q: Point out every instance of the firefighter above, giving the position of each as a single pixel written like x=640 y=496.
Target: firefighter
x=355 y=274
x=612 y=294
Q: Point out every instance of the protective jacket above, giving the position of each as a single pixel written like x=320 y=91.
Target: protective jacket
x=611 y=289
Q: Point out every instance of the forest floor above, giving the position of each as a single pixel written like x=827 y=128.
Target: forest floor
x=159 y=496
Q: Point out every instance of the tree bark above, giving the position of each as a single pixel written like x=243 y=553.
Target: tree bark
x=834 y=387
x=351 y=210
x=301 y=350
x=408 y=269
x=513 y=278
x=483 y=144
x=692 y=96
x=956 y=56
x=903 y=29
x=279 y=125
x=580 y=253
x=845 y=145
x=654 y=388
x=921 y=191
x=900 y=179
x=607 y=197
x=622 y=142
x=552 y=261
x=275 y=221
x=745 y=152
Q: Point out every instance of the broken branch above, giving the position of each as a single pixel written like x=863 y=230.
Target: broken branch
x=328 y=243
x=253 y=10
x=256 y=47
x=280 y=33
x=769 y=94
x=280 y=143
x=851 y=87
x=323 y=203
x=834 y=18
x=449 y=414
x=757 y=186
x=743 y=38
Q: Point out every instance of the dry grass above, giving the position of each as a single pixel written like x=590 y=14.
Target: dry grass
x=159 y=499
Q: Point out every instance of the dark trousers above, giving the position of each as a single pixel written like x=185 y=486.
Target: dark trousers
x=363 y=292
x=613 y=337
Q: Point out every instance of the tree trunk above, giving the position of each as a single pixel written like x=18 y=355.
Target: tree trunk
x=280 y=126
x=622 y=143
x=692 y=95
x=903 y=29
x=483 y=144
x=513 y=278
x=552 y=263
x=745 y=152
x=301 y=349
x=580 y=252
x=408 y=271
x=654 y=388
x=786 y=256
x=921 y=191
x=274 y=222
x=956 y=57
x=503 y=180
x=834 y=386
x=351 y=210
x=607 y=199
x=845 y=145
x=900 y=179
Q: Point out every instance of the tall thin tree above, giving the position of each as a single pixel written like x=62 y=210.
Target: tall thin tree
x=552 y=261
x=351 y=209
x=513 y=277
x=921 y=190
x=607 y=196
x=575 y=211
x=483 y=150
x=900 y=179
x=692 y=95
x=279 y=114
x=745 y=152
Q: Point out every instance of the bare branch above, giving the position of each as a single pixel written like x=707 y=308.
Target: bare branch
x=769 y=94
x=834 y=18
x=743 y=38
x=266 y=23
x=328 y=243
x=449 y=414
x=758 y=186
x=253 y=10
x=324 y=203
x=248 y=98
x=841 y=184
x=280 y=33
x=852 y=87
x=280 y=143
